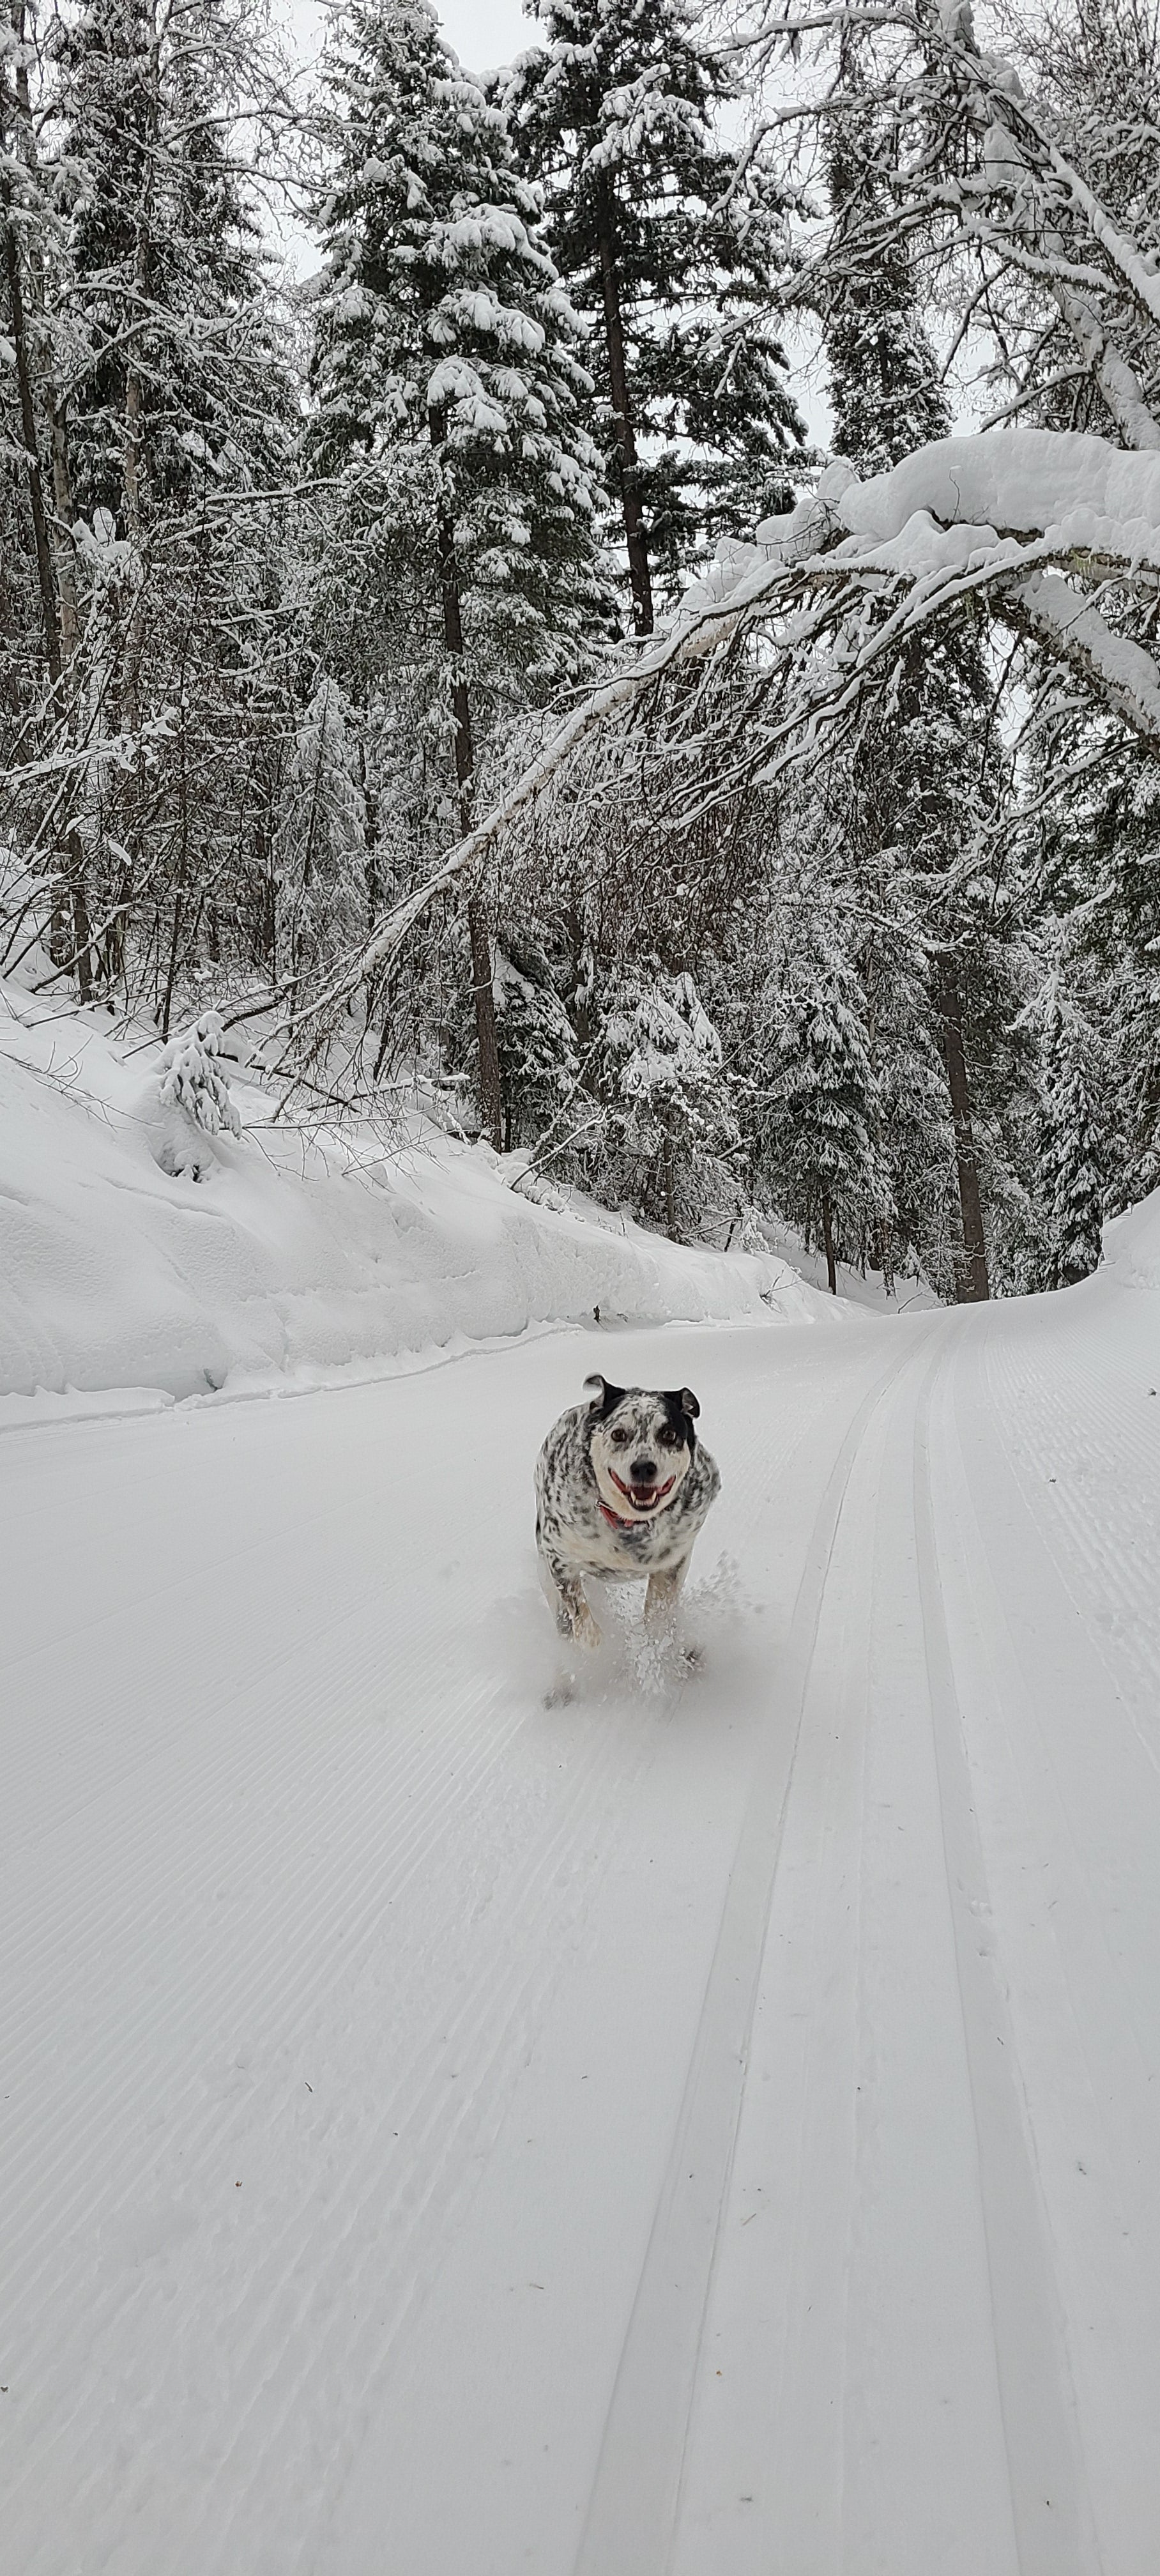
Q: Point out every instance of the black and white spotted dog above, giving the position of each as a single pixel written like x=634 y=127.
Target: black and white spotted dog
x=623 y=1486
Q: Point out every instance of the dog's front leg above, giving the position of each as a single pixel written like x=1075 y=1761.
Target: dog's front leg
x=664 y=1590
x=573 y=1617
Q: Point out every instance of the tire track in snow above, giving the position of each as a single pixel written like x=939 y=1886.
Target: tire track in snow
x=1054 y=2528
x=631 y=2522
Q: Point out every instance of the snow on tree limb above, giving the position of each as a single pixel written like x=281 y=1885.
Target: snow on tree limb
x=1079 y=493
x=1118 y=671
x=1003 y=513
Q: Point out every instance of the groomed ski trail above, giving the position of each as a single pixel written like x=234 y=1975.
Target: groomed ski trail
x=700 y=2130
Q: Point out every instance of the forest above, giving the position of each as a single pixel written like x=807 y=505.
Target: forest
x=463 y=678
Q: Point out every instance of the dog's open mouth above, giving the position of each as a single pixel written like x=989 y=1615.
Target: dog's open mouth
x=643 y=1498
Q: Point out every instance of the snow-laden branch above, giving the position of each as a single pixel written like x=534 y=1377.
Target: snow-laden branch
x=1022 y=205
x=699 y=634
x=1003 y=514
x=1120 y=673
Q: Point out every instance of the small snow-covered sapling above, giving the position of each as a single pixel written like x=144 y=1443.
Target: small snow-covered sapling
x=193 y=1079
x=193 y=1082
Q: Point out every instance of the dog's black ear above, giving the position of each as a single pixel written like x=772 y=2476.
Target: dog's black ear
x=684 y=1408
x=603 y=1397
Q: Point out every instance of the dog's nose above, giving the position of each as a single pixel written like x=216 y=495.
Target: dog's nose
x=643 y=1470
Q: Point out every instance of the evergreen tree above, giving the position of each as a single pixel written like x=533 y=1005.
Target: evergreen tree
x=670 y=246
x=174 y=351
x=162 y=404
x=670 y=1117
x=1071 y=1148
x=822 y=1098
x=539 y=1063
x=443 y=327
x=885 y=394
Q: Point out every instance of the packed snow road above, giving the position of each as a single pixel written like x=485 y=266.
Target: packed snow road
x=707 y=2129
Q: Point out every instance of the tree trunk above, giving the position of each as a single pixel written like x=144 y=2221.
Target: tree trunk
x=626 y=456
x=828 y=1240
x=69 y=946
x=670 y=1193
x=972 y=1285
x=490 y=1086
x=45 y=576
x=133 y=421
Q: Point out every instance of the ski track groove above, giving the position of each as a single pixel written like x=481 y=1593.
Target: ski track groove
x=1054 y=2528
x=1062 y=1776
x=631 y=2525
x=750 y=2411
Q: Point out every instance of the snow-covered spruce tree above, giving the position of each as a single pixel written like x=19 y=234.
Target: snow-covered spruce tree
x=886 y=395
x=193 y=1097
x=1072 y=1141
x=442 y=324
x=539 y=1061
x=671 y=1134
x=670 y=243
x=820 y=1095
x=831 y=871
x=1098 y=872
x=1072 y=1171
x=165 y=246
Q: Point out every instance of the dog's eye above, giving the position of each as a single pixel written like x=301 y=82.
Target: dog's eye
x=619 y=1438
x=667 y=1437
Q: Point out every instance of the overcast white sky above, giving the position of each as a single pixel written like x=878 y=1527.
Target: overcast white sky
x=483 y=32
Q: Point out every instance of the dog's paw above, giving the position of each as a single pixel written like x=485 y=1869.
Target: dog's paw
x=586 y=1633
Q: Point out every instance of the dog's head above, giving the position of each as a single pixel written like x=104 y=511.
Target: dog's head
x=641 y=1443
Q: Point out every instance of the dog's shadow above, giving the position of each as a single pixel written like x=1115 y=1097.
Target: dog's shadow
x=631 y=1661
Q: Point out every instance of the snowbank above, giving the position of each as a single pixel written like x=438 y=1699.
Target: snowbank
x=1132 y=1245
x=291 y=1259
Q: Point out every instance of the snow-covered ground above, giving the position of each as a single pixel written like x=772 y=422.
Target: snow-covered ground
x=709 y=2127
x=295 y=1259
